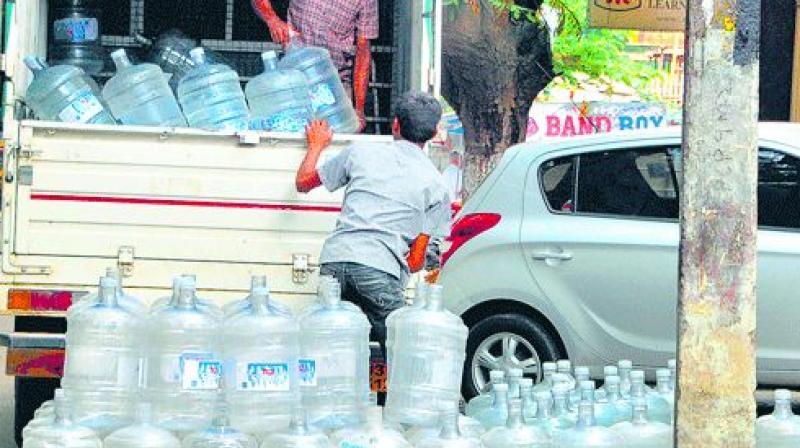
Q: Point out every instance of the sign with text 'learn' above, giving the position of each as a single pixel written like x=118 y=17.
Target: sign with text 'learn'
x=643 y=15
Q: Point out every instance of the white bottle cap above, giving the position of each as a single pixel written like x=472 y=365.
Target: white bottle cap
x=549 y=367
x=497 y=375
x=612 y=379
x=564 y=365
x=610 y=370
x=587 y=385
x=515 y=373
x=637 y=375
x=525 y=382
x=625 y=364
x=663 y=373
x=198 y=55
x=582 y=371
x=783 y=395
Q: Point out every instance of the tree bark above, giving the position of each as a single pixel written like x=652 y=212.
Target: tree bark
x=493 y=68
x=717 y=306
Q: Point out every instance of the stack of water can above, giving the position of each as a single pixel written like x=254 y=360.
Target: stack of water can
x=184 y=371
x=196 y=90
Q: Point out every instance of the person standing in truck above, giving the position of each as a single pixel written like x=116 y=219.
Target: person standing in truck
x=395 y=201
x=343 y=27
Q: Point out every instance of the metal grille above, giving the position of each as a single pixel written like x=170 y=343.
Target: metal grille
x=230 y=28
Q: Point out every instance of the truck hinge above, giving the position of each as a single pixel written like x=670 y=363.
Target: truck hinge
x=125 y=259
x=300 y=268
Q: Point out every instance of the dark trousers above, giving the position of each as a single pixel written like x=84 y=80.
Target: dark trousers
x=375 y=292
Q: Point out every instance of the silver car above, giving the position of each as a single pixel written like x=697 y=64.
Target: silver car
x=570 y=249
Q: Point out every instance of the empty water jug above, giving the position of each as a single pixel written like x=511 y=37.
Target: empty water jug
x=658 y=408
x=587 y=434
x=75 y=39
x=449 y=435
x=548 y=370
x=396 y=318
x=139 y=94
x=170 y=51
x=65 y=93
x=328 y=97
x=43 y=416
x=612 y=408
x=299 y=435
x=260 y=348
x=497 y=414
x=184 y=366
x=428 y=362
x=781 y=429
x=515 y=434
x=485 y=399
x=142 y=434
x=468 y=427
x=642 y=433
x=211 y=96
x=62 y=431
x=101 y=371
x=333 y=367
x=373 y=434
x=220 y=434
x=279 y=99
x=237 y=306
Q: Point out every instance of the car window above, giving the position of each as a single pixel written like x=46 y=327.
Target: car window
x=557 y=179
x=631 y=183
x=778 y=189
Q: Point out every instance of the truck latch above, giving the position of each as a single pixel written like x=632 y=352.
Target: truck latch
x=300 y=268
x=125 y=257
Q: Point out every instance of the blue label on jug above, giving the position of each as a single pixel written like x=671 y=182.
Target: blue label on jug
x=264 y=377
x=200 y=371
x=322 y=96
x=292 y=120
x=85 y=107
x=76 y=30
x=307 y=372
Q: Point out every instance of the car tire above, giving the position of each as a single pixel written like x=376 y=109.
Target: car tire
x=539 y=338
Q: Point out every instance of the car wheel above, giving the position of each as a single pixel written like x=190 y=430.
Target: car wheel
x=505 y=341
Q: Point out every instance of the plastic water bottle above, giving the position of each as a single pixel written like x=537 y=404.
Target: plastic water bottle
x=211 y=96
x=781 y=429
x=300 y=435
x=143 y=433
x=548 y=370
x=658 y=408
x=76 y=35
x=279 y=99
x=608 y=371
x=373 y=434
x=497 y=415
x=468 y=427
x=328 y=97
x=140 y=95
x=545 y=419
x=664 y=390
x=564 y=374
x=260 y=350
x=513 y=378
x=170 y=51
x=184 y=366
x=485 y=399
x=581 y=375
x=641 y=433
x=587 y=434
x=672 y=365
x=420 y=300
x=61 y=432
x=561 y=409
x=333 y=367
x=429 y=355
x=515 y=434
x=450 y=435
x=220 y=434
x=528 y=403
x=65 y=93
x=101 y=371
x=612 y=408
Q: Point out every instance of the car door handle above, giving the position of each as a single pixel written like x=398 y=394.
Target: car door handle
x=560 y=256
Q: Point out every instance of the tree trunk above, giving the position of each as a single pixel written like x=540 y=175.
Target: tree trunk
x=493 y=67
x=717 y=306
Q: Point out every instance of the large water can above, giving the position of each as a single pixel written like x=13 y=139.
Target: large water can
x=279 y=99
x=184 y=364
x=260 y=348
x=76 y=33
x=328 y=97
x=139 y=94
x=429 y=353
x=143 y=433
x=101 y=371
x=65 y=93
x=211 y=96
x=333 y=368
x=61 y=431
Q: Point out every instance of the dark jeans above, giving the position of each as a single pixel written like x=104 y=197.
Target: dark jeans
x=375 y=292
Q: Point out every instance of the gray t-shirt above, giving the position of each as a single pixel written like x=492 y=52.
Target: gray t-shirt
x=393 y=193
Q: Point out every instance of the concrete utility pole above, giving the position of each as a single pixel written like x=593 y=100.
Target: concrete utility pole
x=717 y=308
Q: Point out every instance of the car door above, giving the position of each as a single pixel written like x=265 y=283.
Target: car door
x=600 y=237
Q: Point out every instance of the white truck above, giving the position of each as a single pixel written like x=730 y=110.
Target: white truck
x=159 y=202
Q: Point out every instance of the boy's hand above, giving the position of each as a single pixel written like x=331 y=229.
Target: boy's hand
x=319 y=135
